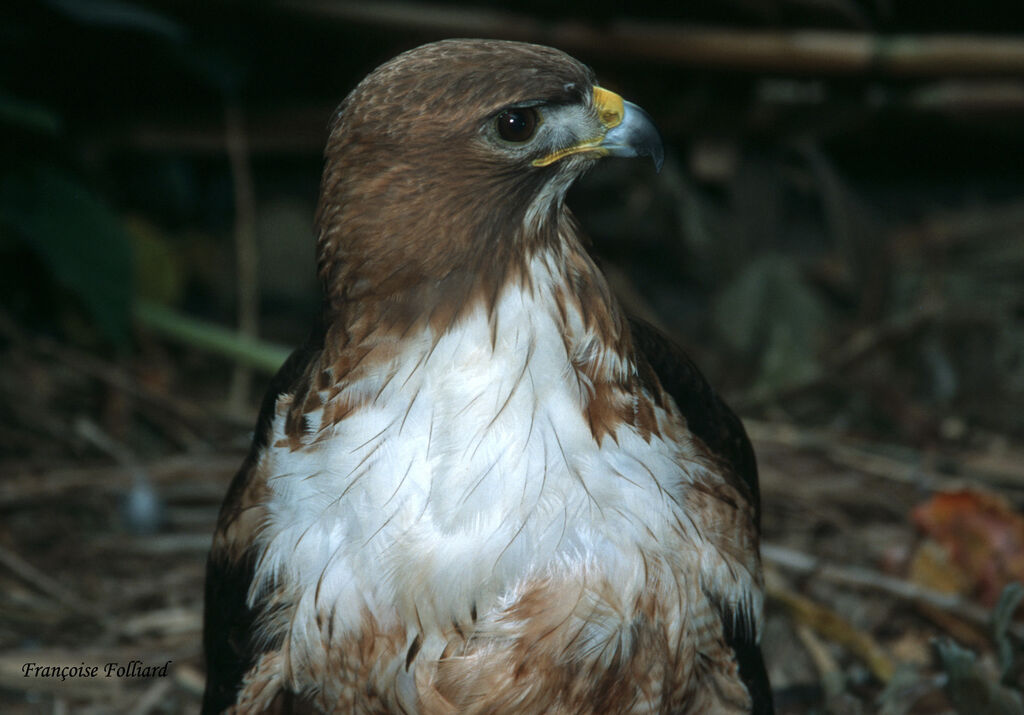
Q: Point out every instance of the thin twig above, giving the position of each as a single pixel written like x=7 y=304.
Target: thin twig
x=190 y=679
x=47 y=585
x=176 y=620
x=834 y=627
x=152 y=698
x=858 y=577
x=158 y=544
x=967 y=98
x=161 y=403
x=246 y=252
x=852 y=352
x=829 y=672
x=911 y=467
x=185 y=476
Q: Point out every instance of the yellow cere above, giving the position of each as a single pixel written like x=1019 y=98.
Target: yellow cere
x=609 y=107
x=610 y=110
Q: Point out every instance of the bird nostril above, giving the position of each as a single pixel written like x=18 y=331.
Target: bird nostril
x=610 y=107
x=610 y=118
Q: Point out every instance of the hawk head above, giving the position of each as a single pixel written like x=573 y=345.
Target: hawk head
x=478 y=140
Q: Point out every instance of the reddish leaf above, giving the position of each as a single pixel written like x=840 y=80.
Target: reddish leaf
x=983 y=534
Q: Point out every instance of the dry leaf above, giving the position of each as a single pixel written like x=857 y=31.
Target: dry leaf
x=983 y=535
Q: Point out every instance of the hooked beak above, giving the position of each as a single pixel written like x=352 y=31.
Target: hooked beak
x=628 y=132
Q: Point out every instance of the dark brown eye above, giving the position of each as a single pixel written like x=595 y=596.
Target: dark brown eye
x=517 y=125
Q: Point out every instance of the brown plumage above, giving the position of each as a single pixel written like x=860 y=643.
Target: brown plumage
x=479 y=487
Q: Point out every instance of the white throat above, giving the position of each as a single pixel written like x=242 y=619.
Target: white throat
x=470 y=470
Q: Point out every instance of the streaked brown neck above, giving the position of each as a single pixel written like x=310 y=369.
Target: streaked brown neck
x=382 y=264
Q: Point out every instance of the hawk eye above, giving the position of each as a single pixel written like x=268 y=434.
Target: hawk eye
x=517 y=125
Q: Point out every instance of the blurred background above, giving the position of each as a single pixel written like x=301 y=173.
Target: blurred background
x=837 y=237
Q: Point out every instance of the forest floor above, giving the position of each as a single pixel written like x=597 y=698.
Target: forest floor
x=875 y=555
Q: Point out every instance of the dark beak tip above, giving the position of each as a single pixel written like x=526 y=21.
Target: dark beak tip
x=658 y=157
x=636 y=136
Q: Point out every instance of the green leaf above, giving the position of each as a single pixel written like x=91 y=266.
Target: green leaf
x=971 y=689
x=79 y=239
x=158 y=274
x=770 y=313
x=252 y=352
x=18 y=112
x=115 y=13
x=901 y=692
x=1002 y=617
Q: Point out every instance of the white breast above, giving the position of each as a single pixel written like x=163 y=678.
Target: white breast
x=472 y=471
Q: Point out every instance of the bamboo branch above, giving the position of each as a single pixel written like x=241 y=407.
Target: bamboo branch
x=814 y=52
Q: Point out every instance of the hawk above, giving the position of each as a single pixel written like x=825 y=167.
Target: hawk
x=480 y=487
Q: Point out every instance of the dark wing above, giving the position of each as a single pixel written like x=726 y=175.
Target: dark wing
x=227 y=626
x=228 y=623
x=715 y=424
x=707 y=415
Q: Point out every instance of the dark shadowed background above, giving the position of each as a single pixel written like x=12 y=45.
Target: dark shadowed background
x=837 y=237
